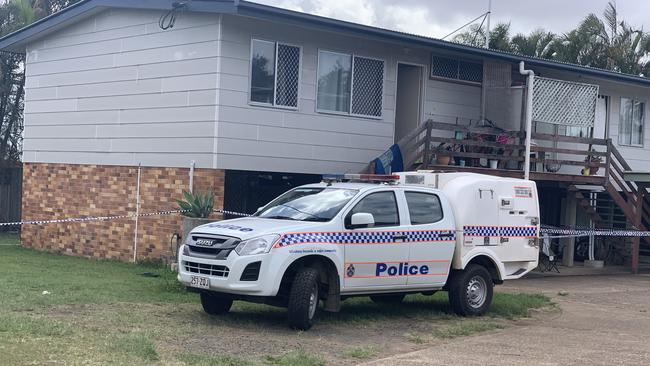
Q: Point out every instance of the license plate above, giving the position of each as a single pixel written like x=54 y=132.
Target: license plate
x=200 y=282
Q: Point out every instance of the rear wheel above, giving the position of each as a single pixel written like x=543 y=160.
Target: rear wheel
x=387 y=299
x=471 y=290
x=303 y=299
x=215 y=305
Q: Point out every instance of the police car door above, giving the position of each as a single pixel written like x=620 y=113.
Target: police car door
x=432 y=239
x=373 y=255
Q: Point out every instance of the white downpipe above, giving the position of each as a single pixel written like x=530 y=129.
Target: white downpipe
x=192 y=166
x=137 y=214
x=529 y=115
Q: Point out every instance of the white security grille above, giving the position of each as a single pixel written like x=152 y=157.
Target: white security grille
x=367 y=86
x=563 y=102
x=451 y=68
x=288 y=69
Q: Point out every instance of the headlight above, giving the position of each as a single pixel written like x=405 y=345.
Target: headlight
x=259 y=245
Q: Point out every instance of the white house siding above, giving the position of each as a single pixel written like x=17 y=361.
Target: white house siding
x=303 y=140
x=637 y=157
x=115 y=89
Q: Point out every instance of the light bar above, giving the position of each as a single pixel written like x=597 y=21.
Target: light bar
x=361 y=178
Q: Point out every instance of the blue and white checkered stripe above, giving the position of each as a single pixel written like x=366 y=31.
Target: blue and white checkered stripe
x=501 y=231
x=365 y=237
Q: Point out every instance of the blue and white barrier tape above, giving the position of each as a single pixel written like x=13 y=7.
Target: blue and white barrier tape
x=106 y=218
x=545 y=231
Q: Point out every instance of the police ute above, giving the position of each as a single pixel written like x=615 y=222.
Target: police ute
x=368 y=235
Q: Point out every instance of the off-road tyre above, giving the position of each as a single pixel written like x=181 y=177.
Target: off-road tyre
x=387 y=299
x=303 y=299
x=215 y=305
x=471 y=290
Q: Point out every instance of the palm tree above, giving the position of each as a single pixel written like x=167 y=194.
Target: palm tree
x=539 y=43
x=608 y=43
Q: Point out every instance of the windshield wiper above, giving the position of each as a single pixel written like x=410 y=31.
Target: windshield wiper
x=278 y=217
x=315 y=217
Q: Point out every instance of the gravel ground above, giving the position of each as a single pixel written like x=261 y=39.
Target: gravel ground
x=604 y=320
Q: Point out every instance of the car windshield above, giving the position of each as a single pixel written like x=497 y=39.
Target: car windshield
x=308 y=204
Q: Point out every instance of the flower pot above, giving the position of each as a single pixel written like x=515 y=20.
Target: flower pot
x=190 y=223
x=459 y=162
x=593 y=170
x=586 y=171
x=493 y=163
x=443 y=159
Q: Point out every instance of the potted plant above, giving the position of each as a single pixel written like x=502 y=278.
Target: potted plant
x=197 y=208
x=442 y=153
x=591 y=164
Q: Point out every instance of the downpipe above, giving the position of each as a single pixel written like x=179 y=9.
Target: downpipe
x=529 y=115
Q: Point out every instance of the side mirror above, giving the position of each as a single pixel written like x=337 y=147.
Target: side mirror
x=260 y=209
x=361 y=220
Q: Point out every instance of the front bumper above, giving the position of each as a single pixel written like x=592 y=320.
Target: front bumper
x=225 y=275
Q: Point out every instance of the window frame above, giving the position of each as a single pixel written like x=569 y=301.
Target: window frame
x=620 y=122
x=349 y=113
x=348 y=214
x=275 y=75
x=456 y=80
x=442 y=211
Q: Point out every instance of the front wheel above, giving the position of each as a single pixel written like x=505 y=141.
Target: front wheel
x=215 y=305
x=471 y=290
x=303 y=299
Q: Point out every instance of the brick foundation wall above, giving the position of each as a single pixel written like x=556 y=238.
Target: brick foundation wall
x=54 y=191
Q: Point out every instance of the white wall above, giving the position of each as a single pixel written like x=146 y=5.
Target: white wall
x=266 y=138
x=637 y=157
x=116 y=89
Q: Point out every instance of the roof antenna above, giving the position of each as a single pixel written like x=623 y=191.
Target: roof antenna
x=168 y=20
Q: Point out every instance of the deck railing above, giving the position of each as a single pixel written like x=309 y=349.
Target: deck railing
x=553 y=157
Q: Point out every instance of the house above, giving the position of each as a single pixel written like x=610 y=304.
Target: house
x=250 y=100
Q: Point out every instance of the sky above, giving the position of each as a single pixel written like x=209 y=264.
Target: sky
x=437 y=18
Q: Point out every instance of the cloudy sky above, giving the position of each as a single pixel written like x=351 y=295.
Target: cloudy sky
x=437 y=18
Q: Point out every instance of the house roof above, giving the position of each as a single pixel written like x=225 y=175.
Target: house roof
x=16 y=41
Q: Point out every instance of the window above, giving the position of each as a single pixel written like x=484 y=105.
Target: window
x=350 y=84
x=424 y=208
x=308 y=204
x=631 y=120
x=381 y=205
x=275 y=70
x=455 y=69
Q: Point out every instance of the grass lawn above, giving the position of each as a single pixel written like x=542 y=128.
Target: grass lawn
x=64 y=310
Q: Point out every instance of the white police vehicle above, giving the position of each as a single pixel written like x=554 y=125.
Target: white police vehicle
x=416 y=232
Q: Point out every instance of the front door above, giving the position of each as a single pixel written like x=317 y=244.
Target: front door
x=408 y=99
x=373 y=255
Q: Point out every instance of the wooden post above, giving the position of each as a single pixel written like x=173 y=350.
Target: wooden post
x=427 y=147
x=638 y=217
x=608 y=160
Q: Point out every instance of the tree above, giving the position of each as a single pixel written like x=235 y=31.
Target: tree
x=608 y=43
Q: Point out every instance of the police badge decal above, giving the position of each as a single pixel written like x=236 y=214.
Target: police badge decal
x=350 y=270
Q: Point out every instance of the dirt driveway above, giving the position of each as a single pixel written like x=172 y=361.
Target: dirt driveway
x=604 y=320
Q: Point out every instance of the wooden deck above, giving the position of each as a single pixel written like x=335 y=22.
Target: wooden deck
x=536 y=176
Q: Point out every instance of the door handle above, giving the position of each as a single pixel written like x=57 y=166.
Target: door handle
x=446 y=235
x=400 y=237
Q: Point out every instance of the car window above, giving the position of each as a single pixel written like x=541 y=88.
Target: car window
x=382 y=206
x=424 y=208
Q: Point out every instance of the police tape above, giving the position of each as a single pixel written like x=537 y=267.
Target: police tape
x=107 y=218
x=545 y=231
x=558 y=232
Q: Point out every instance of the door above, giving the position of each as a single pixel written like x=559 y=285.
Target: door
x=432 y=239
x=408 y=100
x=373 y=255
